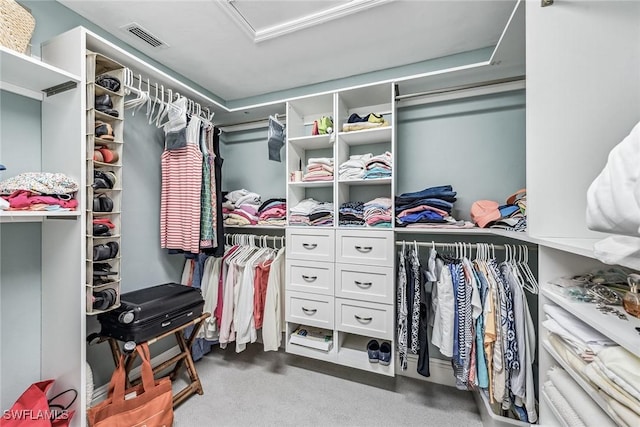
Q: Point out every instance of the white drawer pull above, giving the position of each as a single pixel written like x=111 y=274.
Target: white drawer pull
x=364 y=249
x=310 y=246
x=309 y=278
x=363 y=319
x=309 y=311
x=363 y=285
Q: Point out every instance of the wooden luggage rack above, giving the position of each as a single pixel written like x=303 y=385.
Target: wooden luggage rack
x=179 y=360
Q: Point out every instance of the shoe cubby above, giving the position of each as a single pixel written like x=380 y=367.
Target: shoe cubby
x=104 y=149
x=351 y=350
x=309 y=348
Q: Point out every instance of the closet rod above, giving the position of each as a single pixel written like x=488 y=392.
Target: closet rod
x=449 y=90
x=452 y=244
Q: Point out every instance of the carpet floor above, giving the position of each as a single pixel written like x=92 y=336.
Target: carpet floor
x=255 y=388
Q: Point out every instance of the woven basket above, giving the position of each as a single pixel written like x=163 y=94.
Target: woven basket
x=16 y=26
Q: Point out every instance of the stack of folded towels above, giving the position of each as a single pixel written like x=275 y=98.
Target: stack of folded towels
x=319 y=169
x=612 y=371
x=428 y=208
x=241 y=207
x=379 y=166
x=311 y=212
x=273 y=212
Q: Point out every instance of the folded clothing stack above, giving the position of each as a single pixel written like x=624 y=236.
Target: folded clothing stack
x=39 y=191
x=370 y=121
x=273 y=212
x=511 y=216
x=313 y=213
x=319 y=169
x=379 y=166
x=355 y=167
x=428 y=208
x=241 y=207
x=377 y=212
x=351 y=214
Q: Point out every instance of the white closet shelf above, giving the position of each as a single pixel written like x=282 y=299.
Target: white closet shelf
x=28 y=76
x=366 y=136
x=353 y=353
x=35 y=216
x=588 y=388
x=257 y=227
x=376 y=181
x=620 y=331
x=312 y=142
x=469 y=231
x=312 y=184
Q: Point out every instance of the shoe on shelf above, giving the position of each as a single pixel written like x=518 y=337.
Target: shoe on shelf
x=354 y=118
x=375 y=118
x=373 y=350
x=385 y=354
x=104 y=131
x=108 y=82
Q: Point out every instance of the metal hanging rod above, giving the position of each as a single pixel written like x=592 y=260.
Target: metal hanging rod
x=487 y=84
x=453 y=244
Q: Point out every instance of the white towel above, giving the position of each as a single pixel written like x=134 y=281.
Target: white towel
x=581 y=330
x=568 y=414
x=623 y=364
x=597 y=377
x=613 y=198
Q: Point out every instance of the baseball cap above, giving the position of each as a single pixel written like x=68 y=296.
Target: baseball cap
x=484 y=212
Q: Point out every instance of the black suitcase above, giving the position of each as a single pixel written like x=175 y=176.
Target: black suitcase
x=150 y=312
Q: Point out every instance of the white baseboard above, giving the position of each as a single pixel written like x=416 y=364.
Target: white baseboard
x=100 y=393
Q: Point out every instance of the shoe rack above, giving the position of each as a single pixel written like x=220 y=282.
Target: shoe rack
x=103 y=154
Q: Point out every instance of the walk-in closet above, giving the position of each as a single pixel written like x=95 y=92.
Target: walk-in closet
x=387 y=212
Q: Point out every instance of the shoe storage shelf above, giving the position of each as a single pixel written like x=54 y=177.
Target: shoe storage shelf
x=341 y=282
x=104 y=149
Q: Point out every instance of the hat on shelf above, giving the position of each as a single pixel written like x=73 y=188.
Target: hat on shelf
x=485 y=212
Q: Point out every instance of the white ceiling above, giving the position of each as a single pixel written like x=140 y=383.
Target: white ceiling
x=207 y=44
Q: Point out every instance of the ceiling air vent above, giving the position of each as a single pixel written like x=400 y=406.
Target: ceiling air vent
x=144 y=35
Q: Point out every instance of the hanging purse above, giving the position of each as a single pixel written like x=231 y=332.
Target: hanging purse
x=150 y=404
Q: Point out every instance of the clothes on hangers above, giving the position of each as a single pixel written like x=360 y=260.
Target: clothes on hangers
x=481 y=319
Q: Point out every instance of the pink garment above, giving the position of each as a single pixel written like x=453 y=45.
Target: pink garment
x=273 y=213
x=260 y=280
x=317 y=178
x=248 y=208
x=242 y=214
x=420 y=209
x=23 y=199
x=378 y=218
x=223 y=272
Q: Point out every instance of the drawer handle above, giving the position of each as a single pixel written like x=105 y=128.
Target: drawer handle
x=363 y=319
x=309 y=311
x=310 y=246
x=309 y=278
x=363 y=285
x=364 y=249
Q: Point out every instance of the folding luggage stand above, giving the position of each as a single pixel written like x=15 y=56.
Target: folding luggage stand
x=184 y=357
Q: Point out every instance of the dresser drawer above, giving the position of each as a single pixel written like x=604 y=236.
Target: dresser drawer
x=364 y=318
x=365 y=247
x=365 y=282
x=312 y=245
x=310 y=276
x=310 y=309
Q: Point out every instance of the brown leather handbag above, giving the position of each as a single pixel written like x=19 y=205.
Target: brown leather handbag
x=150 y=406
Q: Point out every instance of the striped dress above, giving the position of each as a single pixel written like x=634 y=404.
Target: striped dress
x=180 y=199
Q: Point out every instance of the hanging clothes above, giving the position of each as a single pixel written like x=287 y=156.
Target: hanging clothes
x=181 y=186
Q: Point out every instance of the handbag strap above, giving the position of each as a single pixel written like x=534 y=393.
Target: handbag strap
x=118 y=379
x=148 y=381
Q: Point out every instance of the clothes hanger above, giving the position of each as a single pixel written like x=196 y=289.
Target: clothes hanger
x=166 y=110
x=153 y=108
x=161 y=107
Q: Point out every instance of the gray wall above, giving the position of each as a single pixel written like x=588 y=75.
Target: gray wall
x=19 y=254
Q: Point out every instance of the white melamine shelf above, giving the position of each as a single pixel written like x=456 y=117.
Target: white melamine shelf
x=312 y=142
x=366 y=136
x=300 y=350
x=257 y=227
x=19 y=71
x=556 y=415
x=588 y=388
x=463 y=231
x=582 y=247
x=35 y=216
x=311 y=184
x=376 y=181
x=621 y=331
x=353 y=353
